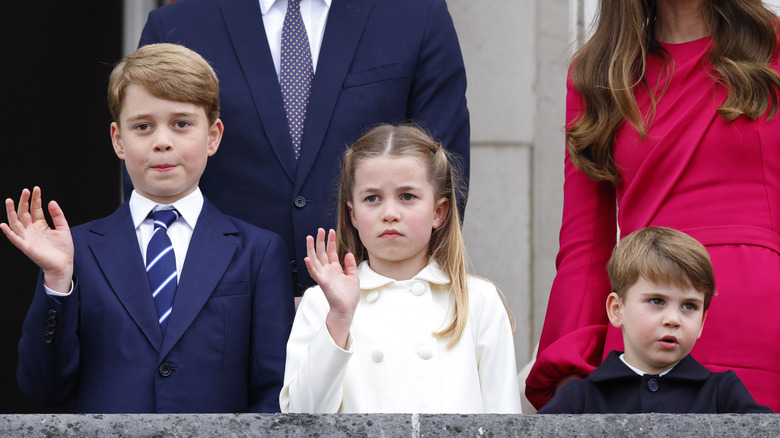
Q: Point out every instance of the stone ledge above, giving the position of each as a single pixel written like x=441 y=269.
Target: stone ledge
x=387 y=425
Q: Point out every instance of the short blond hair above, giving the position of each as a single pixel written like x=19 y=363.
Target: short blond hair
x=167 y=71
x=664 y=256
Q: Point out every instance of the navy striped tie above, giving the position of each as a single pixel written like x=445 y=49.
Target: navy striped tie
x=161 y=264
x=295 y=72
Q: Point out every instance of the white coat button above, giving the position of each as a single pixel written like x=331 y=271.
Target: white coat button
x=372 y=296
x=425 y=354
x=377 y=356
x=418 y=289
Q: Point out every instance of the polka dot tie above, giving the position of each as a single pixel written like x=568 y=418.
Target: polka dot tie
x=161 y=265
x=296 y=72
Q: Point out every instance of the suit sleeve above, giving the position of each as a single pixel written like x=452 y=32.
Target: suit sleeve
x=575 y=326
x=316 y=366
x=438 y=94
x=496 y=356
x=49 y=348
x=273 y=312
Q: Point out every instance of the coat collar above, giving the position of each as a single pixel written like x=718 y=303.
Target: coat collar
x=370 y=280
x=613 y=368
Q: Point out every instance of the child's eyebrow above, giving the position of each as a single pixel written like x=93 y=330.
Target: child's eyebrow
x=138 y=117
x=147 y=115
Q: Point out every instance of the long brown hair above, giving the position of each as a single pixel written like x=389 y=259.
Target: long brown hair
x=610 y=66
x=446 y=246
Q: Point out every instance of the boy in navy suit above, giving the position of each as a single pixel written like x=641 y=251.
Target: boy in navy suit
x=662 y=283
x=211 y=338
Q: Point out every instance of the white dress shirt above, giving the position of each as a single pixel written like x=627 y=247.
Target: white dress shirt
x=180 y=232
x=315 y=16
x=393 y=362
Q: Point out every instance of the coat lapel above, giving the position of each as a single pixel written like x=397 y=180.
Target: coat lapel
x=208 y=257
x=125 y=272
x=346 y=21
x=244 y=24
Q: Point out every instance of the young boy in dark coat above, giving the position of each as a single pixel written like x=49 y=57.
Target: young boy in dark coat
x=662 y=284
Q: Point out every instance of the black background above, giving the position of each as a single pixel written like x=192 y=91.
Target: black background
x=55 y=134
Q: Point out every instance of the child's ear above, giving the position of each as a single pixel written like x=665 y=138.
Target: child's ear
x=215 y=136
x=615 y=310
x=440 y=212
x=351 y=214
x=116 y=140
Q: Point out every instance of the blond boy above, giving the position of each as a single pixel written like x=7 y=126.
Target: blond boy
x=96 y=331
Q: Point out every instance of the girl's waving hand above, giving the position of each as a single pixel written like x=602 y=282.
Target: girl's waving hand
x=340 y=285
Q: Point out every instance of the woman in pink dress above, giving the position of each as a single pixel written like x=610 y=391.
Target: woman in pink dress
x=671 y=121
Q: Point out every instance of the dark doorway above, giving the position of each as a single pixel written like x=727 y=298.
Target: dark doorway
x=55 y=135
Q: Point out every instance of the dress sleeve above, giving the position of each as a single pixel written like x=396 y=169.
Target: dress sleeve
x=315 y=367
x=496 y=356
x=572 y=340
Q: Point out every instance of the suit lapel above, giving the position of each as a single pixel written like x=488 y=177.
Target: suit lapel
x=208 y=257
x=125 y=271
x=346 y=21
x=244 y=24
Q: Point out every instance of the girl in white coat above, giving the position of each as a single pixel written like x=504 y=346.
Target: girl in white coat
x=400 y=327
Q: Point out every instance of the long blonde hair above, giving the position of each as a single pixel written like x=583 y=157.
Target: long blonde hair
x=610 y=66
x=446 y=246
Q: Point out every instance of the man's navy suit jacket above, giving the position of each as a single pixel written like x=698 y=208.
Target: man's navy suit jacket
x=224 y=349
x=380 y=61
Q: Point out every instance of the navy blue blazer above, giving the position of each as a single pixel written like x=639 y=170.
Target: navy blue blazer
x=613 y=388
x=380 y=61
x=224 y=349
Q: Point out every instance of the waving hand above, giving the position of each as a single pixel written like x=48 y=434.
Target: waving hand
x=50 y=249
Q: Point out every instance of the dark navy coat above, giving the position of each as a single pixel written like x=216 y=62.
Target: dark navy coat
x=689 y=387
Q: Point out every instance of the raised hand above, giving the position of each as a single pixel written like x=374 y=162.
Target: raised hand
x=50 y=249
x=340 y=285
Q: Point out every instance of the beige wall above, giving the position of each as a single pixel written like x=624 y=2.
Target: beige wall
x=516 y=54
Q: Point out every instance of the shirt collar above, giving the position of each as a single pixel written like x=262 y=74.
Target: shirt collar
x=266 y=5
x=369 y=279
x=637 y=370
x=189 y=207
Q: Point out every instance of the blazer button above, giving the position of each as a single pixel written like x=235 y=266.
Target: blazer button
x=47 y=338
x=293 y=266
x=377 y=356
x=50 y=329
x=418 y=289
x=165 y=370
x=300 y=202
x=52 y=313
x=652 y=384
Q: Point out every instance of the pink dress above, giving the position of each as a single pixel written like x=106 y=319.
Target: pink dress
x=719 y=182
